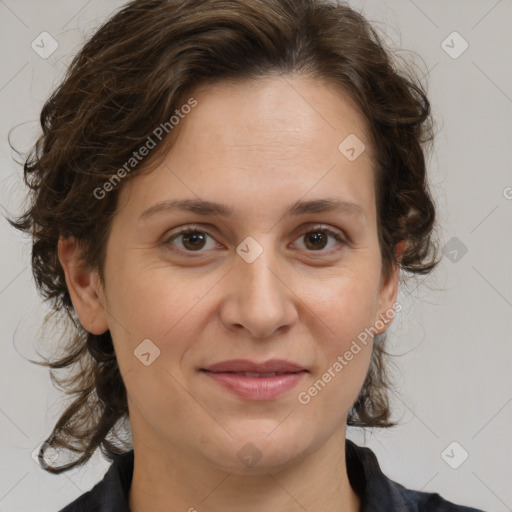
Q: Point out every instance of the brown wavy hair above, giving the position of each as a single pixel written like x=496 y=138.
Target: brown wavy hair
x=128 y=79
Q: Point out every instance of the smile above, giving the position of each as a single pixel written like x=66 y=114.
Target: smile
x=256 y=386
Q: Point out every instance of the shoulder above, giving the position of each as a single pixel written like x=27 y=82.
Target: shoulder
x=379 y=493
x=89 y=501
x=109 y=494
x=419 y=501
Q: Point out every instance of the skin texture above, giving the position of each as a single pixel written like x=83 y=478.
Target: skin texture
x=257 y=147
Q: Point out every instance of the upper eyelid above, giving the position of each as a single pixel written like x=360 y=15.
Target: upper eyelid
x=207 y=229
x=332 y=231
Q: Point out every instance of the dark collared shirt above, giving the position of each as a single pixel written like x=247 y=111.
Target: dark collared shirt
x=377 y=492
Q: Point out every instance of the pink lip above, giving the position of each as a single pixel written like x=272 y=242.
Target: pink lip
x=229 y=374
x=246 y=365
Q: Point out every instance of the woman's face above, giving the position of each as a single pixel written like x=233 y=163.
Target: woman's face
x=265 y=282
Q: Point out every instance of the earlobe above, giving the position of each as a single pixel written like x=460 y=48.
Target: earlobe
x=84 y=287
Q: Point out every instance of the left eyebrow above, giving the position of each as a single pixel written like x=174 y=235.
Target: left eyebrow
x=202 y=207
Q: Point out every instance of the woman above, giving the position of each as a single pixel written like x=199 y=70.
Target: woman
x=223 y=197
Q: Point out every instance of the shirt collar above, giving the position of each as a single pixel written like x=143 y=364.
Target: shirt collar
x=376 y=491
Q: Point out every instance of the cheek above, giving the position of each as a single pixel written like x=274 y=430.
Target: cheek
x=344 y=349
x=344 y=311
x=352 y=311
x=343 y=305
x=151 y=296
x=160 y=304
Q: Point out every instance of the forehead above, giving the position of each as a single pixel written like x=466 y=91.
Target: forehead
x=263 y=138
x=272 y=112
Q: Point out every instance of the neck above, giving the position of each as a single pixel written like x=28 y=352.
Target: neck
x=175 y=481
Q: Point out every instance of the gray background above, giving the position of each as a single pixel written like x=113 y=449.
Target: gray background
x=453 y=378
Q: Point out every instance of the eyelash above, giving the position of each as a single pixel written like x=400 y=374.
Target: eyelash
x=197 y=229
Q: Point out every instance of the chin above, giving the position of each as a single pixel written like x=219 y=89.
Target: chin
x=260 y=449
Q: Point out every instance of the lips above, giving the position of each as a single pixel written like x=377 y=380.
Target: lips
x=250 y=368
x=254 y=381
x=255 y=374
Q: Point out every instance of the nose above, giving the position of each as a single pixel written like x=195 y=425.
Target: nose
x=258 y=298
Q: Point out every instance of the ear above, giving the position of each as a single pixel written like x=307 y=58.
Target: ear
x=388 y=294
x=84 y=287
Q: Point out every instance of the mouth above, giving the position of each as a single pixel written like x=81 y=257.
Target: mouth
x=246 y=366
x=256 y=381
x=254 y=374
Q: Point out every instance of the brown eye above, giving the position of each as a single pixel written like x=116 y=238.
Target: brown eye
x=317 y=239
x=193 y=240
